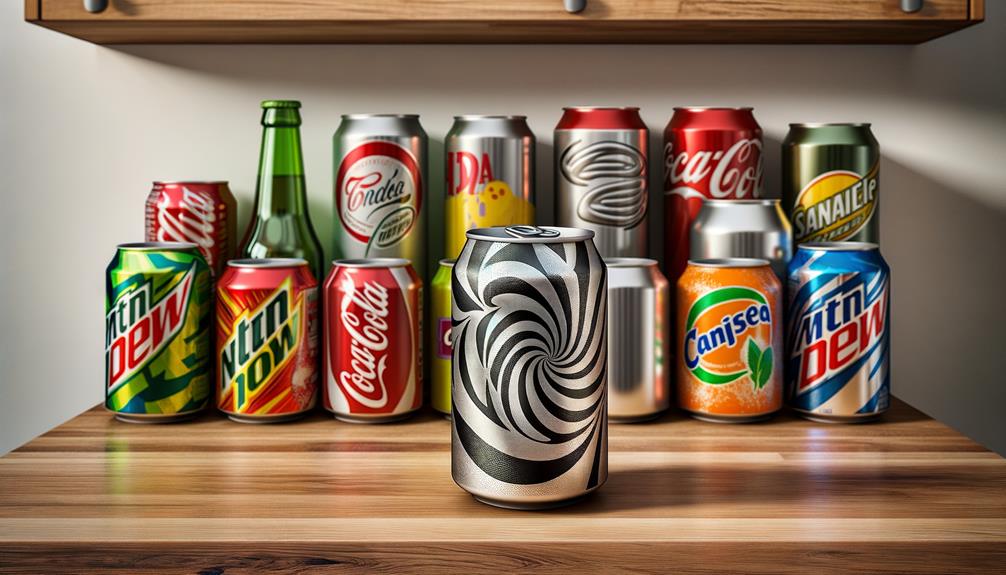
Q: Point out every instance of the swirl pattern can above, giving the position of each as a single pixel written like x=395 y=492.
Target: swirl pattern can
x=267 y=340
x=638 y=353
x=373 y=340
x=601 y=177
x=529 y=367
x=158 y=338
x=838 y=360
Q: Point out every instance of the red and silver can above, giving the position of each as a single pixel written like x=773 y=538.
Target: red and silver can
x=373 y=340
x=202 y=213
x=600 y=177
x=713 y=153
x=267 y=340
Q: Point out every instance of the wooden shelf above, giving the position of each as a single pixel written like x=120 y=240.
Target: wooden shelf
x=505 y=21
x=905 y=495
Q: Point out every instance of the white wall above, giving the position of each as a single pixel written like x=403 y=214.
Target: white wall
x=84 y=129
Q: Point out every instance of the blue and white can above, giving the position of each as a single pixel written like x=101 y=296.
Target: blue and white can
x=838 y=362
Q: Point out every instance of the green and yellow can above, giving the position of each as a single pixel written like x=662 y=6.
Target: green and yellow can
x=831 y=182
x=441 y=337
x=158 y=332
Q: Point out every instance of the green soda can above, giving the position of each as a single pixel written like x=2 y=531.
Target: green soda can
x=831 y=183
x=441 y=334
x=158 y=322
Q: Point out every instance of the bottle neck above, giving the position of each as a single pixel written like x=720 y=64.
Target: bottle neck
x=281 y=188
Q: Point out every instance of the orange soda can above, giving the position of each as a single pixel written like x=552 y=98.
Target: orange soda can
x=730 y=338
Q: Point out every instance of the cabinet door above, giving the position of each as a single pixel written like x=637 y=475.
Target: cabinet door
x=510 y=20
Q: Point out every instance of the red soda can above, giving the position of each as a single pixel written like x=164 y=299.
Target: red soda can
x=713 y=153
x=373 y=340
x=267 y=339
x=202 y=213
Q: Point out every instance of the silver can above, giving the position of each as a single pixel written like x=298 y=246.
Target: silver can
x=529 y=426
x=489 y=176
x=743 y=229
x=638 y=345
x=601 y=177
x=380 y=188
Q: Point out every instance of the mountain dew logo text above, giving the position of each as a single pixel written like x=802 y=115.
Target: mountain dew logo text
x=722 y=331
x=261 y=343
x=137 y=328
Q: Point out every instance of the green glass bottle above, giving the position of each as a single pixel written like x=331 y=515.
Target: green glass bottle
x=281 y=227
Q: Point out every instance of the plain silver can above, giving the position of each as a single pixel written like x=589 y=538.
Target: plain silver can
x=380 y=191
x=601 y=177
x=743 y=229
x=638 y=345
x=529 y=365
x=488 y=177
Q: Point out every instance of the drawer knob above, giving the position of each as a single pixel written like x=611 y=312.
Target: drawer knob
x=911 y=5
x=574 y=6
x=95 y=6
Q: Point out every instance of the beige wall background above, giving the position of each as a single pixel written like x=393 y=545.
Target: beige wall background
x=84 y=129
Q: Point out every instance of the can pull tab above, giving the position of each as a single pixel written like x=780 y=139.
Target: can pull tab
x=574 y=6
x=95 y=6
x=911 y=5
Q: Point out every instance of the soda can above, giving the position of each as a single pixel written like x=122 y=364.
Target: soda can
x=730 y=333
x=638 y=354
x=440 y=340
x=158 y=343
x=838 y=366
x=202 y=213
x=831 y=182
x=489 y=175
x=709 y=153
x=373 y=340
x=380 y=188
x=529 y=427
x=267 y=340
x=601 y=177
x=743 y=229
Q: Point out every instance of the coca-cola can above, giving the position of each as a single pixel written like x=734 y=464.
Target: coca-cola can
x=202 y=213
x=743 y=229
x=380 y=188
x=529 y=366
x=373 y=340
x=601 y=177
x=709 y=153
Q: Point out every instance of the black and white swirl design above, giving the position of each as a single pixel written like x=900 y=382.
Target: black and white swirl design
x=614 y=174
x=530 y=355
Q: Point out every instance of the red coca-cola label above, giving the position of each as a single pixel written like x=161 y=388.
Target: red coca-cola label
x=197 y=213
x=373 y=363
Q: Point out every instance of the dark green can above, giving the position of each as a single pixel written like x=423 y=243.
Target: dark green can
x=831 y=182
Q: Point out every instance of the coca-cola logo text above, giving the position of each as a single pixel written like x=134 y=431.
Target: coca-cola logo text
x=192 y=221
x=733 y=173
x=364 y=315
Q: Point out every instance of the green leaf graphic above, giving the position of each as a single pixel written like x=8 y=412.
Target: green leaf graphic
x=765 y=368
x=754 y=360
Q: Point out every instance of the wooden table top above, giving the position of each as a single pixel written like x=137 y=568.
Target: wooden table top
x=319 y=496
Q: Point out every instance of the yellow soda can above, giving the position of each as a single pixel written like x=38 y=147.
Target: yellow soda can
x=441 y=337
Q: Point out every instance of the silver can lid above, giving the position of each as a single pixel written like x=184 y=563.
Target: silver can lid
x=530 y=234
x=267 y=263
x=629 y=262
x=839 y=246
x=729 y=263
x=385 y=116
x=745 y=202
x=157 y=246
x=448 y=262
x=365 y=263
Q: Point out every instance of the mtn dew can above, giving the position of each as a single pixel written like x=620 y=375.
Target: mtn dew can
x=158 y=339
x=838 y=366
x=831 y=182
x=441 y=334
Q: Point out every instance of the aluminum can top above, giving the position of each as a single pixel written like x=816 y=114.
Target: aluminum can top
x=194 y=182
x=370 y=116
x=839 y=246
x=599 y=118
x=629 y=262
x=157 y=246
x=825 y=134
x=730 y=263
x=367 y=263
x=448 y=262
x=530 y=234
x=698 y=118
x=267 y=263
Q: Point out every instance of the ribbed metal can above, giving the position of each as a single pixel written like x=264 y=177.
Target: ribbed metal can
x=743 y=229
x=831 y=182
x=601 y=177
x=638 y=340
x=529 y=426
x=489 y=176
x=381 y=188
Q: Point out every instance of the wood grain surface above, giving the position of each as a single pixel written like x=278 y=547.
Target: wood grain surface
x=319 y=496
x=466 y=21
